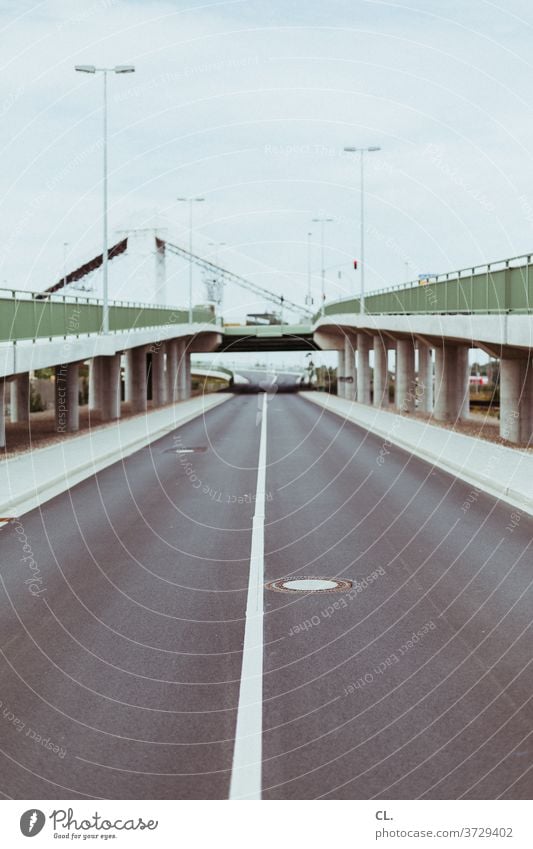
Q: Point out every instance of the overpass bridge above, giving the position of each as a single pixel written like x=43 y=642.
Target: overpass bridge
x=276 y=337
x=185 y=568
x=487 y=307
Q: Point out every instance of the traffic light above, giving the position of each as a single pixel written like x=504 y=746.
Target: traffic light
x=355 y=264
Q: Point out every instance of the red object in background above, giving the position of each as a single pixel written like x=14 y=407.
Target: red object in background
x=355 y=263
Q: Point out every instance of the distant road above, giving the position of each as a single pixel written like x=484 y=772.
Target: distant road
x=268 y=381
x=121 y=675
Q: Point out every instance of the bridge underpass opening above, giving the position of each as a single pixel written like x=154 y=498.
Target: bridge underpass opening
x=270 y=367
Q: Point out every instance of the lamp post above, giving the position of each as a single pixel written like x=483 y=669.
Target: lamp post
x=309 y=298
x=362 y=151
x=191 y=202
x=65 y=249
x=218 y=281
x=92 y=69
x=322 y=221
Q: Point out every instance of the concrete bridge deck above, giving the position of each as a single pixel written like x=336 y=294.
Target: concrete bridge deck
x=486 y=307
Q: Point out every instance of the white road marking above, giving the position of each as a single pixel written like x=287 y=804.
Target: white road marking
x=247 y=755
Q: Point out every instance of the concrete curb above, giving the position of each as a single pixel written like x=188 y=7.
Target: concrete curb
x=33 y=496
x=511 y=470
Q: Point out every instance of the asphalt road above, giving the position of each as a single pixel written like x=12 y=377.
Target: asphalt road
x=120 y=677
x=269 y=381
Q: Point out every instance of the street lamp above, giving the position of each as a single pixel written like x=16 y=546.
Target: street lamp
x=322 y=222
x=190 y=201
x=309 y=298
x=92 y=69
x=218 y=279
x=65 y=250
x=362 y=151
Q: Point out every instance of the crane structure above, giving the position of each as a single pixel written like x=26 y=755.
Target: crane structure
x=223 y=275
x=215 y=276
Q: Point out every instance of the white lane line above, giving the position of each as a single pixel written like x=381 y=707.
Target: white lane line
x=247 y=755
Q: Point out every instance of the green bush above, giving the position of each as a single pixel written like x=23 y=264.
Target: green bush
x=36 y=402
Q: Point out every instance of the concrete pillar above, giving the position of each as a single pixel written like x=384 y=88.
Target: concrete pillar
x=451 y=382
x=139 y=383
x=67 y=407
x=182 y=370
x=381 y=373
x=526 y=427
x=516 y=400
x=341 y=373
x=462 y=387
x=159 y=389
x=2 y=412
x=110 y=372
x=350 y=391
x=73 y=397
x=405 y=376
x=127 y=374
x=363 y=368
x=425 y=379
x=441 y=409
x=20 y=398
x=172 y=370
x=95 y=384
x=187 y=357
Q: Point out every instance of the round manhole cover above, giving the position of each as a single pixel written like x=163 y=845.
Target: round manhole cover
x=182 y=449
x=309 y=585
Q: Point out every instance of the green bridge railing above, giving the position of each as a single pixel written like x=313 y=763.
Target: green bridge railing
x=505 y=286
x=27 y=315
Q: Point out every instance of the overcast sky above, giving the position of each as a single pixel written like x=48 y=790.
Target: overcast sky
x=250 y=104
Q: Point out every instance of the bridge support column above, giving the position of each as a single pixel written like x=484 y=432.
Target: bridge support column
x=3 y=384
x=451 y=382
x=381 y=373
x=341 y=373
x=139 y=383
x=463 y=382
x=363 y=369
x=95 y=384
x=172 y=370
x=183 y=384
x=405 y=376
x=127 y=374
x=350 y=385
x=67 y=407
x=425 y=378
x=20 y=398
x=187 y=357
x=159 y=393
x=110 y=371
x=516 y=400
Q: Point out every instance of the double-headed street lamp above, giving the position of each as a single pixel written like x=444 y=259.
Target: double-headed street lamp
x=191 y=202
x=323 y=221
x=362 y=151
x=92 y=69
